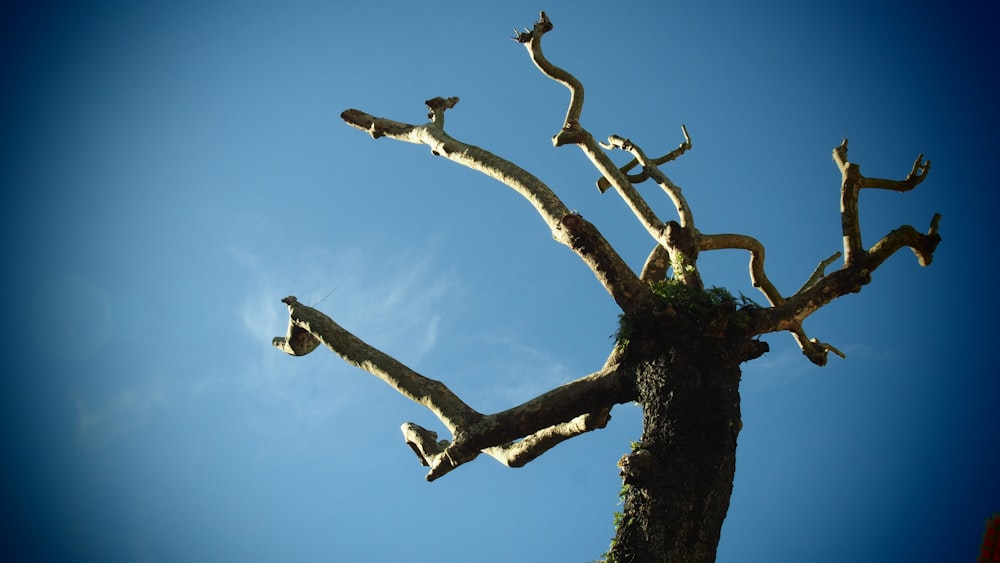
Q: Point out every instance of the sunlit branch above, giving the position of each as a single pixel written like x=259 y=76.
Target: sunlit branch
x=671 y=189
x=603 y=184
x=573 y=132
x=677 y=238
x=432 y=134
x=568 y=228
x=518 y=454
x=852 y=182
x=514 y=436
x=321 y=329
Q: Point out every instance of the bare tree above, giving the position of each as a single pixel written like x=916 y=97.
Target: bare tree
x=679 y=346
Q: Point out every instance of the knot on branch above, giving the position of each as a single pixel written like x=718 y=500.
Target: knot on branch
x=439 y=103
x=927 y=244
x=680 y=238
x=638 y=467
x=571 y=134
x=753 y=349
x=817 y=351
x=581 y=235
x=297 y=341
x=437 y=107
x=571 y=221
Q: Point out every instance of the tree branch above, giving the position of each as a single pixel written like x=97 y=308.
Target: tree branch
x=543 y=422
x=603 y=184
x=308 y=324
x=851 y=185
x=655 y=268
x=652 y=170
x=574 y=133
x=859 y=263
x=679 y=239
x=677 y=242
x=813 y=349
x=568 y=228
x=518 y=454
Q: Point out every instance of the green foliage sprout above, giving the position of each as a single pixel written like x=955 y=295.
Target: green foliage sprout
x=690 y=302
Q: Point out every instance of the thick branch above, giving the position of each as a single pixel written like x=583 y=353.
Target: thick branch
x=518 y=435
x=304 y=320
x=543 y=422
x=548 y=205
x=568 y=228
x=533 y=40
x=682 y=257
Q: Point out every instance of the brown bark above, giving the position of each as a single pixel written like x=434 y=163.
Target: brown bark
x=679 y=477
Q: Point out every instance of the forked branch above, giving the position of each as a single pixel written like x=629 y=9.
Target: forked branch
x=642 y=176
x=851 y=185
x=574 y=133
x=683 y=257
x=859 y=263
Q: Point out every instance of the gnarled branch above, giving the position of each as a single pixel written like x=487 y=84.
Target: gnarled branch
x=859 y=263
x=603 y=184
x=819 y=289
x=678 y=238
x=574 y=133
x=682 y=258
x=851 y=185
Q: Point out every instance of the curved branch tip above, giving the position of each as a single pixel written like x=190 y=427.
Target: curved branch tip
x=543 y=25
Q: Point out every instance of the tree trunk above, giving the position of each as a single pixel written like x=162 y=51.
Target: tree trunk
x=679 y=478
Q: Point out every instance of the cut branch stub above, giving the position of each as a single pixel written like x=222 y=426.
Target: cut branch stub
x=423 y=442
x=297 y=341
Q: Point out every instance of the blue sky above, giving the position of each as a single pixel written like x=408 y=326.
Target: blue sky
x=171 y=170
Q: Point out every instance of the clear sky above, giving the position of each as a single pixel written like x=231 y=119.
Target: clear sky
x=171 y=170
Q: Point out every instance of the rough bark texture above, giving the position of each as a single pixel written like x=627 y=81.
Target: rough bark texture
x=679 y=477
x=679 y=347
